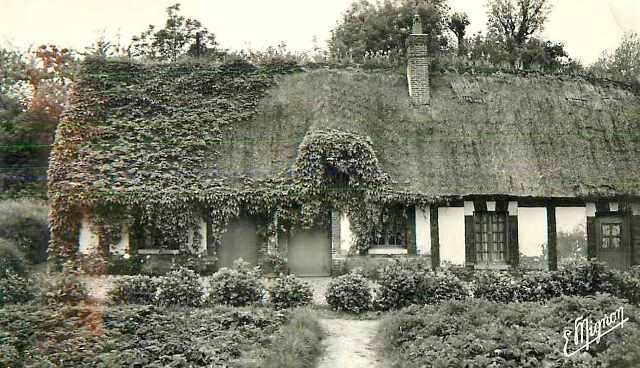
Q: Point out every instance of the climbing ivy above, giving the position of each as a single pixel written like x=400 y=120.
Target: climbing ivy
x=140 y=144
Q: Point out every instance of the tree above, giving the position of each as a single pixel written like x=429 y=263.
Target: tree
x=458 y=25
x=367 y=28
x=623 y=64
x=517 y=20
x=180 y=36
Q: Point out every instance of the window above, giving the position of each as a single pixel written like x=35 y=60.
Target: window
x=490 y=236
x=394 y=231
x=611 y=236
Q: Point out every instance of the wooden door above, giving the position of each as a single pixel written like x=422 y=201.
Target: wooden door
x=612 y=241
x=239 y=241
x=310 y=252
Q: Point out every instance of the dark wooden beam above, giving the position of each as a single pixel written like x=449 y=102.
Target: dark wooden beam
x=435 y=237
x=552 y=238
x=469 y=242
x=412 y=239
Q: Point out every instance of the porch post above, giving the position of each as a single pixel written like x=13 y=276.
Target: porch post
x=514 y=246
x=635 y=233
x=552 y=237
x=435 y=237
x=469 y=242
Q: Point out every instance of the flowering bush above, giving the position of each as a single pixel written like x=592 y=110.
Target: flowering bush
x=133 y=290
x=237 y=286
x=290 y=292
x=350 y=293
x=179 y=287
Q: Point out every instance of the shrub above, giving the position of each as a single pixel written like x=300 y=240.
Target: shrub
x=11 y=259
x=124 y=265
x=179 y=287
x=275 y=264
x=401 y=286
x=15 y=289
x=63 y=287
x=133 y=290
x=25 y=222
x=237 y=286
x=290 y=292
x=296 y=345
x=350 y=293
x=398 y=287
x=481 y=333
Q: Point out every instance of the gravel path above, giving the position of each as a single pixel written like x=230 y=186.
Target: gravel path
x=348 y=344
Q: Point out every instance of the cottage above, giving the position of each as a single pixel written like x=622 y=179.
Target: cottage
x=216 y=163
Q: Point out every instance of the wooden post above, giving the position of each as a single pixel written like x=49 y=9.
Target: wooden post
x=435 y=238
x=512 y=233
x=412 y=239
x=552 y=237
x=469 y=240
x=635 y=234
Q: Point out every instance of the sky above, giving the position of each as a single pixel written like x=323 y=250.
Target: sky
x=586 y=27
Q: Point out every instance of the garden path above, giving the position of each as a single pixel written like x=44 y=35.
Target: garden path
x=349 y=344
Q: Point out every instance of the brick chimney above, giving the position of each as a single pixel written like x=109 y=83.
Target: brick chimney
x=418 y=64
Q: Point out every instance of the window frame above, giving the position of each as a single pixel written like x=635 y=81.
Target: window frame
x=489 y=255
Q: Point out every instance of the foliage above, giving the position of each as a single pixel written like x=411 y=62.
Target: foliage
x=180 y=36
x=275 y=263
x=64 y=287
x=25 y=222
x=128 y=336
x=383 y=27
x=124 y=264
x=517 y=20
x=15 y=288
x=623 y=64
x=478 y=333
x=289 y=292
x=179 y=287
x=458 y=23
x=349 y=293
x=401 y=286
x=11 y=259
x=237 y=286
x=295 y=345
x=133 y=290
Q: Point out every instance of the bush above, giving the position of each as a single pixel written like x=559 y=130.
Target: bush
x=179 y=287
x=350 y=293
x=133 y=290
x=296 y=345
x=290 y=292
x=25 y=222
x=481 y=333
x=11 y=259
x=15 y=289
x=124 y=265
x=237 y=286
x=401 y=286
x=63 y=287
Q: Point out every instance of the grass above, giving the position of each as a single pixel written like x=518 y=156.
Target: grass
x=296 y=345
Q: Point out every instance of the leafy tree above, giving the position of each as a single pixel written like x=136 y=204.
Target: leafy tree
x=458 y=23
x=624 y=63
x=572 y=244
x=517 y=20
x=368 y=28
x=180 y=36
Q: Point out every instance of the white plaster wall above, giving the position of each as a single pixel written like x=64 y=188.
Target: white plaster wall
x=88 y=240
x=423 y=231
x=532 y=233
x=451 y=234
x=122 y=247
x=346 y=236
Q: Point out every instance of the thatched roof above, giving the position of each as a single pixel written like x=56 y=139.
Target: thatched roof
x=538 y=136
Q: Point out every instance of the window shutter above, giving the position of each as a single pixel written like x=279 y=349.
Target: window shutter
x=469 y=244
